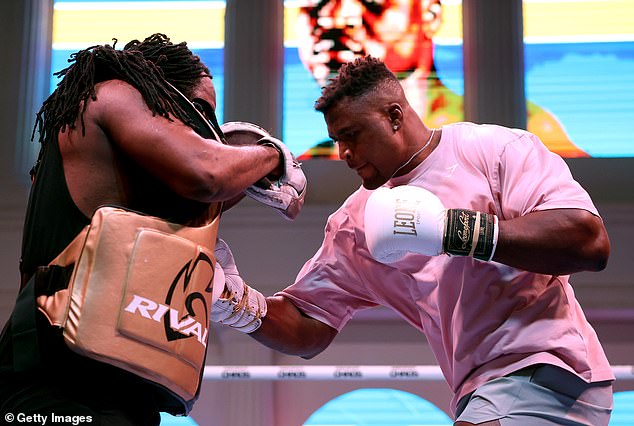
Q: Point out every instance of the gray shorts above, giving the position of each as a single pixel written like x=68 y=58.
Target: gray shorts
x=539 y=395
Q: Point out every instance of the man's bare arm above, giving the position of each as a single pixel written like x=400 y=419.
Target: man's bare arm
x=286 y=329
x=556 y=242
x=194 y=167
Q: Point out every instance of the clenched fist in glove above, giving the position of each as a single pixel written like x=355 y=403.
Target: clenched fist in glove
x=239 y=306
x=285 y=194
x=412 y=219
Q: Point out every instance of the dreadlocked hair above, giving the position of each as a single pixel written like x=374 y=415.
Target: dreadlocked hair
x=353 y=80
x=148 y=66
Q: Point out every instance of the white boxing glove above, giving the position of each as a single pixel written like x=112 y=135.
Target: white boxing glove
x=287 y=193
x=244 y=307
x=410 y=219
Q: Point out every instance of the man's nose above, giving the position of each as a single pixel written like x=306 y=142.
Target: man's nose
x=345 y=14
x=344 y=151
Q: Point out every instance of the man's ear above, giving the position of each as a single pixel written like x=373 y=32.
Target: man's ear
x=395 y=114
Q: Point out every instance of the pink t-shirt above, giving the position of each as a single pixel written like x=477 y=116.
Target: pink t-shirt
x=481 y=319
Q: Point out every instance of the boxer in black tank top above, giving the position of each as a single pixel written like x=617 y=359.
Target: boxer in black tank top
x=113 y=132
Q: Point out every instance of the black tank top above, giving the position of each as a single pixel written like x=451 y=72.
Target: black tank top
x=52 y=218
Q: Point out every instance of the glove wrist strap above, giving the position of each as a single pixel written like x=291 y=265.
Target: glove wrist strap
x=470 y=233
x=243 y=310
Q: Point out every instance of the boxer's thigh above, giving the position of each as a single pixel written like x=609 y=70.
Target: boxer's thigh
x=539 y=396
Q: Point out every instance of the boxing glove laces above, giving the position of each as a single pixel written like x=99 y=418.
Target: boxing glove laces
x=240 y=306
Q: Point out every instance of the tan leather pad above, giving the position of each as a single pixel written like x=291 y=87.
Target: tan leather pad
x=140 y=297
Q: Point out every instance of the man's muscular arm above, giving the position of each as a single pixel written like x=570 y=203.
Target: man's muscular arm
x=194 y=167
x=273 y=321
x=286 y=329
x=554 y=242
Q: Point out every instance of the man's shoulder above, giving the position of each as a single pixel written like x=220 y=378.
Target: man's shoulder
x=466 y=129
x=115 y=88
x=467 y=136
x=117 y=100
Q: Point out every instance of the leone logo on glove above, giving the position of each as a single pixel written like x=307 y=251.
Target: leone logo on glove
x=192 y=318
x=405 y=217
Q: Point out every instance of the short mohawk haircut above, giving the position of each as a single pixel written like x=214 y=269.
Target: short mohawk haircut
x=354 y=80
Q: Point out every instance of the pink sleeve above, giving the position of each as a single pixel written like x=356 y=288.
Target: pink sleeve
x=532 y=178
x=328 y=287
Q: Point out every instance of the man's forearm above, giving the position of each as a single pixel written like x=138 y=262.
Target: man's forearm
x=554 y=242
x=287 y=330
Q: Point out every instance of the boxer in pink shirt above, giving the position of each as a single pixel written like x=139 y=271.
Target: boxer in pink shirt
x=470 y=233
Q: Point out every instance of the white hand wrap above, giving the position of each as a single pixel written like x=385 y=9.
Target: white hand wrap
x=245 y=307
x=287 y=194
x=409 y=219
